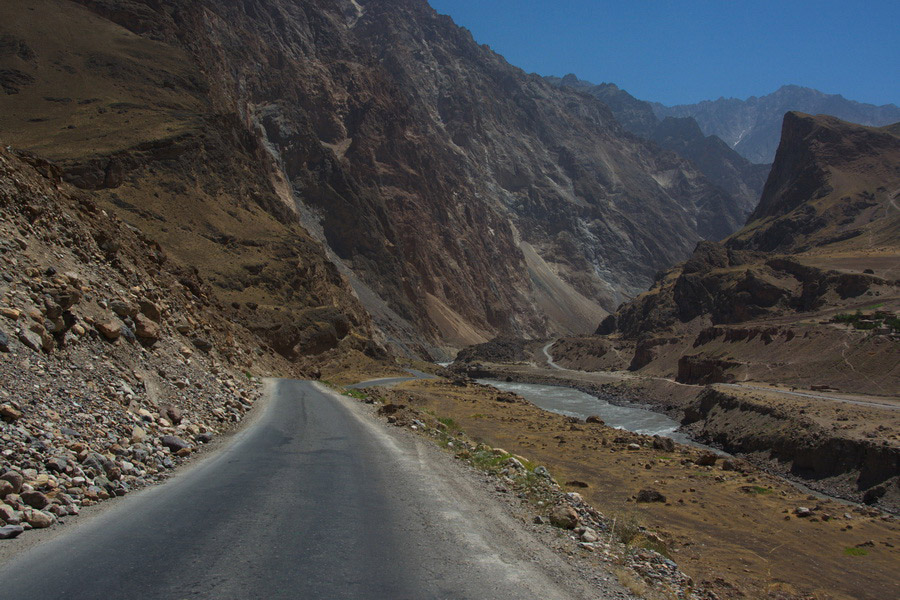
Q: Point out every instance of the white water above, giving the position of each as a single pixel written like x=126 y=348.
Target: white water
x=574 y=403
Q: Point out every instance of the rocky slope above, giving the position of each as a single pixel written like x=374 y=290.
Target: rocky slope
x=116 y=362
x=723 y=166
x=806 y=296
x=461 y=196
x=752 y=126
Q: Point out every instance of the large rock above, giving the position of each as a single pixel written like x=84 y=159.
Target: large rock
x=9 y=413
x=564 y=517
x=35 y=499
x=150 y=310
x=37 y=519
x=650 y=495
x=111 y=330
x=6 y=488
x=145 y=329
x=31 y=340
x=8 y=532
x=174 y=443
x=15 y=479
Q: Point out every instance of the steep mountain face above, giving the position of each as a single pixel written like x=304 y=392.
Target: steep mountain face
x=828 y=214
x=723 y=166
x=753 y=126
x=460 y=197
x=132 y=121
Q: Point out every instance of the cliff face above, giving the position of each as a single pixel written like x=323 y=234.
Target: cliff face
x=753 y=126
x=832 y=183
x=460 y=196
x=724 y=167
x=824 y=235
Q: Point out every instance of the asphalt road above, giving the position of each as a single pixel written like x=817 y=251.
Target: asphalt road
x=312 y=500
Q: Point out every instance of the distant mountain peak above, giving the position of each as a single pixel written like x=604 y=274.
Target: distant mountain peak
x=753 y=126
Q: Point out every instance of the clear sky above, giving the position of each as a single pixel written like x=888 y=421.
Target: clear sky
x=684 y=51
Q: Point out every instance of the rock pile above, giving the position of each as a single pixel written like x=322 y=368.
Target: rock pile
x=102 y=391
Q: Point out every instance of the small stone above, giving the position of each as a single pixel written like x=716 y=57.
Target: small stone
x=802 y=511
x=634 y=446
x=6 y=488
x=594 y=419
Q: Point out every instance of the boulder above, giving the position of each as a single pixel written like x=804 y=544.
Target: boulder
x=174 y=443
x=564 y=517
x=37 y=519
x=663 y=443
x=707 y=459
x=7 y=532
x=31 y=340
x=35 y=499
x=145 y=329
x=9 y=413
x=150 y=310
x=650 y=495
x=111 y=330
x=6 y=488
x=589 y=535
x=15 y=479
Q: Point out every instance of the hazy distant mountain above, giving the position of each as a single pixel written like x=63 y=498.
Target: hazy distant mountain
x=753 y=126
x=723 y=166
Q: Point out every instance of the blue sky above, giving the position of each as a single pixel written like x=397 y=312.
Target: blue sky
x=683 y=51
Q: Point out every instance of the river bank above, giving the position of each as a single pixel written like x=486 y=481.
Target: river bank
x=845 y=451
x=741 y=531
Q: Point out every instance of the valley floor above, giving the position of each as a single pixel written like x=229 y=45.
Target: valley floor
x=736 y=528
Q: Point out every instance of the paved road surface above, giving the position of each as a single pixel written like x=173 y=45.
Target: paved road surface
x=310 y=501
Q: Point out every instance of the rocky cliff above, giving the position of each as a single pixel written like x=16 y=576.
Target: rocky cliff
x=724 y=167
x=806 y=293
x=753 y=126
x=460 y=196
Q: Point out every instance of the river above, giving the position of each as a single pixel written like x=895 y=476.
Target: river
x=574 y=403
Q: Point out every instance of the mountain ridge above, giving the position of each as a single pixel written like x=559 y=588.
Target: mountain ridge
x=752 y=126
x=463 y=196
